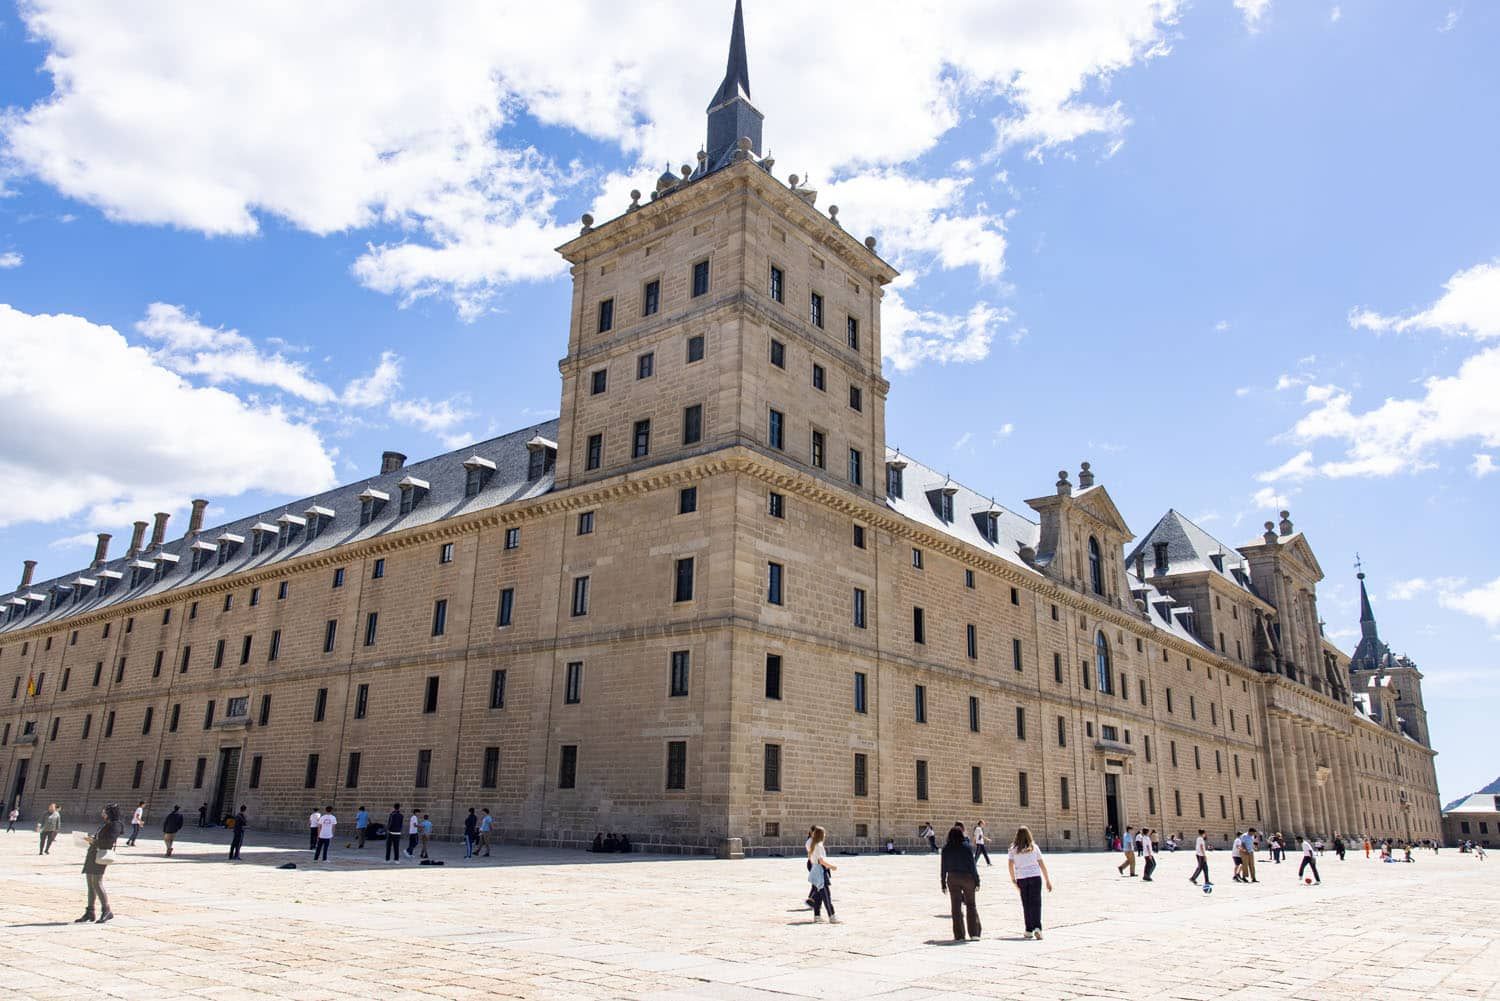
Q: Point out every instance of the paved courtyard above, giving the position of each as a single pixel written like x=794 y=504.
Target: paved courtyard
x=550 y=924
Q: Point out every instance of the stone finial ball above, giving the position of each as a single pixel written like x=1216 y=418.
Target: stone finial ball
x=793 y=180
x=588 y=220
x=870 y=242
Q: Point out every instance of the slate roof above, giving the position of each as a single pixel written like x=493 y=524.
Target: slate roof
x=445 y=475
x=1476 y=802
x=1190 y=549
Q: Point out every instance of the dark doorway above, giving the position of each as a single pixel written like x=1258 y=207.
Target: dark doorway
x=20 y=786
x=224 y=788
x=1112 y=803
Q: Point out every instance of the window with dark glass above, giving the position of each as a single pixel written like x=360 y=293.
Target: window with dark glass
x=567 y=767
x=856 y=398
x=598 y=381
x=440 y=617
x=1096 y=566
x=776 y=504
x=856 y=467
x=773 y=583
x=497 y=689
x=330 y=635
x=819 y=449
x=645 y=365
x=971 y=632
x=771 y=768
x=692 y=424
x=974 y=713
x=861 y=774
x=641 y=440
x=586 y=523
x=700 y=279
x=490 y=777
x=573 y=685
x=919 y=703
x=777 y=286
x=773 y=676
x=595 y=452
x=424 y=768
x=921 y=780
x=778 y=353
x=606 y=315
x=815 y=309
x=918 y=626
x=507 y=606
x=430 y=696
x=651 y=299
x=1102 y=665
x=676 y=764
x=682 y=589
x=687 y=500
x=852 y=331
x=372 y=624
x=861 y=692
x=580 y=596
x=819 y=377
x=859 y=608
x=695 y=348
x=775 y=431
x=678 y=682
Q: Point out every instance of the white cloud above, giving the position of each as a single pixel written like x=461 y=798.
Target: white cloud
x=441 y=418
x=11 y=259
x=1451 y=20
x=1298 y=467
x=188 y=347
x=1002 y=432
x=1318 y=394
x=1336 y=14
x=218 y=119
x=1221 y=326
x=913 y=336
x=1483 y=464
x=1483 y=602
x=1268 y=497
x=963 y=440
x=1286 y=381
x=1406 y=590
x=1469 y=306
x=377 y=387
x=79 y=541
x=1254 y=11
x=1242 y=391
x=95 y=425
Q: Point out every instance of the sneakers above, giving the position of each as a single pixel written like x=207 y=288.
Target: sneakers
x=1037 y=934
x=817 y=919
x=833 y=920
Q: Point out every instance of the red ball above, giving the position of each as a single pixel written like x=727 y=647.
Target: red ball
x=1308 y=881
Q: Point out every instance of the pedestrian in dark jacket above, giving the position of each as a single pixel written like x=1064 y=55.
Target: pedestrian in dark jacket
x=237 y=840
x=393 y=834
x=100 y=854
x=471 y=831
x=960 y=879
x=170 y=825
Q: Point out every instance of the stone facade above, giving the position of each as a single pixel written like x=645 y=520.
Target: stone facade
x=725 y=624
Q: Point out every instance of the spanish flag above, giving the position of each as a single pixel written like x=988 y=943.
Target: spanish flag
x=30 y=685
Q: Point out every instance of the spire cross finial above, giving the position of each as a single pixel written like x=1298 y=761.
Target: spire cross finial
x=1359 y=567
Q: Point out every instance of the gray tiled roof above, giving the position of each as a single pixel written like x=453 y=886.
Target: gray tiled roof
x=445 y=475
x=1190 y=549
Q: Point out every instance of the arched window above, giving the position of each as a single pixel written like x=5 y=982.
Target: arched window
x=1096 y=566
x=1101 y=665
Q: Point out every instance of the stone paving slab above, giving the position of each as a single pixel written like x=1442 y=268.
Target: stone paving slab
x=545 y=923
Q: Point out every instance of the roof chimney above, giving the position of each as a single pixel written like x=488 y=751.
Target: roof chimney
x=137 y=539
x=1286 y=523
x=28 y=567
x=195 y=520
x=391 y=461
x=159 y=530
x=101 y=551
x=1085 y=476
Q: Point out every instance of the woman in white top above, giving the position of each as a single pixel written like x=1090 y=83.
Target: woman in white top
x=817 y=874
x=1028 y=872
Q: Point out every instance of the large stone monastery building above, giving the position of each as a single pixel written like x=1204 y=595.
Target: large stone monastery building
x=708 y=606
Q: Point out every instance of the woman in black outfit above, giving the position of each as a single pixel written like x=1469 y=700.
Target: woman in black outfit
x=960 y=878
x=100 y=841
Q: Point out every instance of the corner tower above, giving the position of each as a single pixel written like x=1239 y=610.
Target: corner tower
x=1373 y=660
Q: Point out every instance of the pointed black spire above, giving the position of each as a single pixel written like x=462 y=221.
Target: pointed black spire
x=1371 y=654
x=1366 y=614
x=731 y=116
x=737 y=72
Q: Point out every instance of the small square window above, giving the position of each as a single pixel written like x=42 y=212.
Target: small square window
x=445 y=553
x=776 y=505
x=645 y=365
x=819 y=377
x=598 y=381
x=586 y=523
x=778 y=353
x=859 y=536
x=687 y=500
x=695 y=348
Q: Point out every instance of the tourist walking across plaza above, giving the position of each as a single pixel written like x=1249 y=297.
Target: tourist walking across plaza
x=137 y=821
x=1028 y=872
x=170 y=825
x=393 y=824
x=15 y=815
x=979 y=841
x=817 y=874
x=931 y=836
x=1308 y=862
x=959 y=878
x=101 y=852
x=1247 y=856
x=413 y=831
x=312 y=830
x=361 y=827
x=1200 y=851
x=326 y=824
x=1127 y=843
x=50 y=825
x=237 y=838
x=485 y=824
x=471 y=833
x=1148 y=853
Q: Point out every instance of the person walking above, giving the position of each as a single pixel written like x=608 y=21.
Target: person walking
x=361 y=825
x=48 y=828
x=959 y=878
x=1367 y=847
x=312 y=831
x=326 y=824
x=15 y=815
x=137 y=821
x=1127 y=843
x=1200 y=850
x=979 y=840
x=931 y=836
x=100 y=854
x=1339 y=848
x=471 y=832
x=817 y=875
x=1308 y=861
x=1027 y=874
x=170 y=825
x=203 y=815
x=393 y=834
x=485 y=824
x=413 y=831
x=1148 y=852
x=237 y=839
x=1247 y=856
x=426 y=832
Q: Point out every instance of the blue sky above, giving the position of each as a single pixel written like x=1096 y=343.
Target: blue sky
x=1239 y=254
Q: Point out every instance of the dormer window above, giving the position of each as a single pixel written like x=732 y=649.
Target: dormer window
x=989 y=525
x=107 y=580
x=203 y=553
x=318 y=518
x=229 y=546
x=893 y=478
x=412 y=492
x=941 y=500
x=164 y=564
x=60 y=594
x=371 y=502
x=291 y=527
x=543 y=457
x=478 y=471
x=265 y=534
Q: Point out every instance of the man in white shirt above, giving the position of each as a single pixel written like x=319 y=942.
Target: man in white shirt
x=1200 y=849
x=979 y=848
x=1308 y=861
x=413 y=828
x=326 y=823
x=312 y=830
x=1148 y=852
x=137 y=821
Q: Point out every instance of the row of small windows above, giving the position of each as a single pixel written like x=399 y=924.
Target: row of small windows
x=651 y=297
x=776 y=289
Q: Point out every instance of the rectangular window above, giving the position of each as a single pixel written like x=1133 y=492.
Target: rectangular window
x=1015 y=654
x=440 y=617
x=773 y=583
x=815 y=309
x=700 y=279
x=187 y=656
x=372 y=624
x=445 y=553
x=378 y=570
x=918 y=626
x=281 y=591
x=973 y=714
x=507 y=606
x=512 y=538
x=595 y=454
x=598 y=381
x=859 y=536
x=777 y=290
x=695 y=348
x=859 y=608
x=586 y=523
x=490 y=777
x=819 y=450
x=916 y=558
x=1057 y=668
x=338 y=577
x=972 y=639
x=430 y=695
x=976 y=784
x=775 y=430
x=1021 y=790
x=171 y=724
x=919 y=703
x=218 y=655
x=361 y=701
x=861 y=774
x=275 y=650
x=893 y=479
x=771 y=768
x=651 y=300
x=776 y=504
x=351 y=774
x=330 y=635
x=424 y=768
x=773 y=676
x=851 y=330
x=166 y=773
x=687 y=500
x=567 y=767
x=856 y=467
x=580 y=596
x=861 y=692
x=679 y=675
x=1020 y=723
x=692 y=424
x=819 y=378
x=145 y=723
x=309 y=777
x=573 y=687
x=320 y=705
x=921 y=780
x=856 y=398
x=1063 y=789
x=676 y=764
x=208 y=718
x=606 y=316
x=1062 y=731
x=778 y=353
x=641 y=440
x=497 y=689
